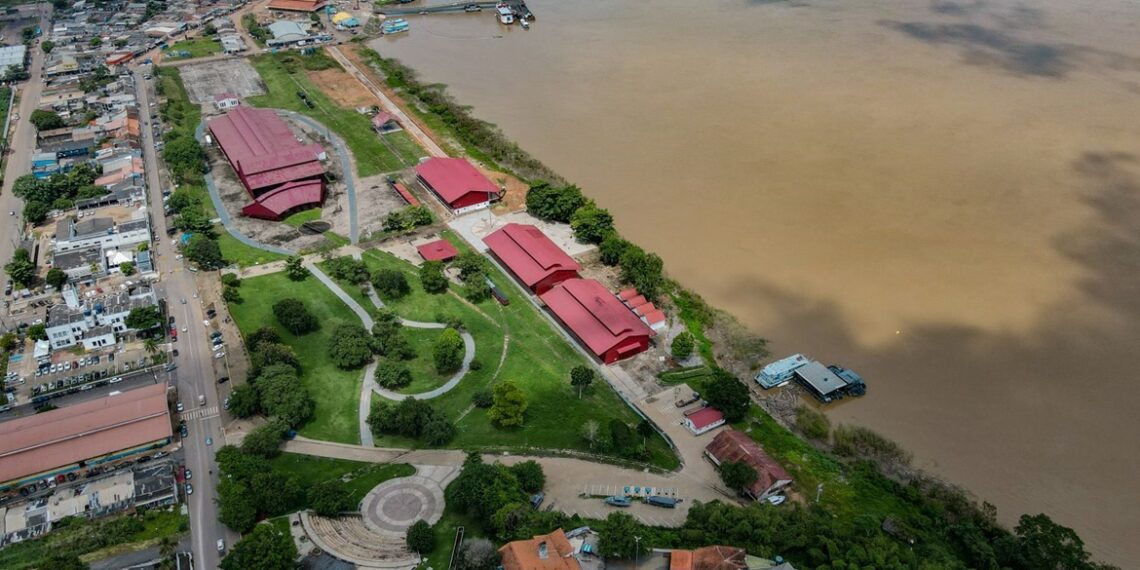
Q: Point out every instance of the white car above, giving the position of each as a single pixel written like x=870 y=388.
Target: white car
x=221 y=545
x=219 y=354
x=115 y=380
x=180 y=407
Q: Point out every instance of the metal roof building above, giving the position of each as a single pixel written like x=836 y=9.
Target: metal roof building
x=281 y=174
x=457 y=183
x=736 y=446
x=531 y=256
x=598 y=319
x=13 y=55
x=820 y=381
x=47 y=444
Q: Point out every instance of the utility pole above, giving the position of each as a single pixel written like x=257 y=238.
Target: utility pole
x=636 y=552
x=818 y=492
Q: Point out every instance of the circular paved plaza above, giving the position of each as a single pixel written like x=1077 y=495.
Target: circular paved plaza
x=394 y=505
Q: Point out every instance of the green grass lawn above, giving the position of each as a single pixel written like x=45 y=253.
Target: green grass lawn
x=244 y=255
x=79 y=536
x=301 y=218
x=445 y=535
x=198 y=47
x=422 y=367
x=335 y=391
x=538 y=358
x=362 y=477
x=284 y=76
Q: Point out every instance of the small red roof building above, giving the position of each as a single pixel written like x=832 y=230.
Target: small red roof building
x=627 y=294
x=531 y=256
x=736 y=446
x=297 y=5
x=543 y=552
x=595 y=316
x=655 y=320
x=703 y=420
x=709 y=558
x=405 y=194
x=457 y=183
x=384 y=122
x=636 y=301
x=438 y=250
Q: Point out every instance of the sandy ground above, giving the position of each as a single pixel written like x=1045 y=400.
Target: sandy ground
x=342 y=88
x=375 y=199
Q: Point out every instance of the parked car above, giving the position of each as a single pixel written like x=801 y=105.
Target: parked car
x=189 y=475
x=226 y=404
x=174 y=353
x=189 y=489
x=180 y=407
x=223 y=379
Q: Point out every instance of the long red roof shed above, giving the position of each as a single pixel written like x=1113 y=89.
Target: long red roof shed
x=737 y=446
x=279 y=173
x=37 y=444
x=531 y=256
x=598 y=319
x=456 y=182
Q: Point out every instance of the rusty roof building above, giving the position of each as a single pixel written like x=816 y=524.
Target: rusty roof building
x=736 y=446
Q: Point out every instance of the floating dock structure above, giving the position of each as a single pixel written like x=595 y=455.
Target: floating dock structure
x=829 y=383
x=518 y=9
x=781 y=371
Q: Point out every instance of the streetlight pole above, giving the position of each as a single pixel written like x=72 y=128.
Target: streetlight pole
x=818 y=492
x=636 y=552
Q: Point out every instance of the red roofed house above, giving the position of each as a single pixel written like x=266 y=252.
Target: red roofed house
x=531 y=257
x=297 y=5
x=595 y=316
x=282 y=175
x=438 y=250
x=89 y=433
x=736 y=446
x=544 y=552
x=656 y=320
x=385 y=122
x=457 y=183
x=709 y=558
x=703 y=420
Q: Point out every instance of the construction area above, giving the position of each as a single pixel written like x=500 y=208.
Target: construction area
x=204 y=81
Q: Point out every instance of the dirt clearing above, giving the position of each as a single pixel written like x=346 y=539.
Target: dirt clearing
x=342 y=88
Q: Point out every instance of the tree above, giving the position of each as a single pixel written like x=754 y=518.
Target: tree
x=581 y=376
x=530 y=475
x=95 y=42
x=682 y=346
x=243 y=401
x=60 y=560
x=262 y=334
x=144 y=318
x=432 y=278
x=127 y=268
x=9 y=342
x=231 y=280
x=350 y=346
x=475 y=288
x=552 y=203
x=390 y=283
x=21 y=269
x=592 y=224
x=469 y=264
x=727 y=394
x=509 y=407
x=193 y=219
x=150 y=345
x=267 y=353
x=231 y=294
x=47 y=46
x=348 y=269
x=737 y=475
x=590 y=432
x=645 y=429
x=204 y=251
x=439 y=431
x=420 y=537
x=282 y=396
x=36 y=212
x=1042 y=543
x=46 y=120
x=448 y=351
x=185 y=158
x=236 y=508
x=266 y=548
x=329 y=498
x=642 y=270
x=295 y=316
x=37 y=332
x=181 y=199
x=477 y=554
x=295 y=269
x=392 y=375
x=618 y=536
x=612 y=249
x=265 y=440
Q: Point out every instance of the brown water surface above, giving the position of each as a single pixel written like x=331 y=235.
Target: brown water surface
x=943 y=196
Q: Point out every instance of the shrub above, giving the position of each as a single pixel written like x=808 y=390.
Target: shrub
x=530 y=475
x=392 y=375
x=432 y=278
x=390 y=283
x=421 y=537
x=682 y=346
x=350 y=346
x=482 y=399
x=295 y=316
x=812 y=423
x=447 y=352
x=509 y=405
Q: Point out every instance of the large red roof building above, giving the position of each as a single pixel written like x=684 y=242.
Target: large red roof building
x=457 y=183
x=297 y=5
x=282 y=175
x=48 y=444
x=598 y=319
x=532 y=258
x=736 y=446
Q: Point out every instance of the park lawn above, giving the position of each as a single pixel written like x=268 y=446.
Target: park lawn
x=310 y=470
x=198 y=47
x=422 y=367
x=371 y=155
x=445 y=529
x=80 y=536
x=301 y=218
x=234 y=251
x=336 y=392
x=537 y=358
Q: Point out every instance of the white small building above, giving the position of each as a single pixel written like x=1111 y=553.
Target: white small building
x=223 y=101
x=73 y=235
x=703 y=420
x=95 y=322
x=42 y=352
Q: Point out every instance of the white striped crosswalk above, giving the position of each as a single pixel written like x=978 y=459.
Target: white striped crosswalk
x=200 y=413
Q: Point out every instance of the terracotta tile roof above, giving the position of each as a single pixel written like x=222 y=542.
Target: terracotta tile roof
x=438 y=250
x=719 y=558
x=681 y=560
x=41 y=442
x=543 y=552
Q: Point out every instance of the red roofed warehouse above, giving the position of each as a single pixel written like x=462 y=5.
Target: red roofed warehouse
x=48 y=444
x=532 y=258
x=736 y=446
x=282 y=175
x=458 y=184
x=598 y=319
x=297 y=5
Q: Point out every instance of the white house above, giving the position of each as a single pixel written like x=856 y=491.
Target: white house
x=73 y=235
x=95 y=322
x=223 y=101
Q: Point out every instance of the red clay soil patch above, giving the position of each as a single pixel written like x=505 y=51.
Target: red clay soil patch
x=515 y=198
x=342 y=88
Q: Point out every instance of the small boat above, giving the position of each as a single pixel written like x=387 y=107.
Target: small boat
x=618 y=501
x=505 y=15
x=663 y=502
x=776 y=499
x=394 y=26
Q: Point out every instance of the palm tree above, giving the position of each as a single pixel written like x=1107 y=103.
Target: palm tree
x=150 y=345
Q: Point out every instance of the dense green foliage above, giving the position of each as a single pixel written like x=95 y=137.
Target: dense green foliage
x=266 y=548
x=581 y=377
x=737 y=475
x=447 y=353
x=46 y=120
x=812 y=423
x=203 y=251
x=682 y=346
x=411 y=418
x=21 y=268
x=350 y=346
x=76 y=536
x=508 y=405
x=347 y=269
x=592 y=224
x=407 y=219
x=530 y=476
x=390 y=284
x=727 y=394
x=432 y=278
x=295 y=269
x=144 y=318
x=295 y=317
x=554 y=203
x=392 y=375
x=420 y=537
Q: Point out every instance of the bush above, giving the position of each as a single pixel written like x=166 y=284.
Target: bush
x=432 y=278
x=682 y=346
x=390 y=283
x=509 y=405
x=329 y=498
x=482 y=399
x=530 y=475
x=231 y=280
x=350 y=346
x=447 y=352
x=231 y=294
x=348 y=269
x=411 y=418
x=552 y=203
x=294 y=316
x=592 y=224
x=862 y=443
x=736 y=475
x=728 y=394
x=392 y=375
x=812 y=423
x=475 y=365
x=265 y=440
x=420 y=537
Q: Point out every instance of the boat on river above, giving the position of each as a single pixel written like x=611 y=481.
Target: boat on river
x=506 y=16
x=394 y=26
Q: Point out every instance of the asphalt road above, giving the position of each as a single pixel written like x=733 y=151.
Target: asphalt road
x=195 y=362
x=22 y=143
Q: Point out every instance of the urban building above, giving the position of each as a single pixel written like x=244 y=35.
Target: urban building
x=531 y=257
x=96 y=322
x=736 y=446
x=457 y=183
x=598 y=319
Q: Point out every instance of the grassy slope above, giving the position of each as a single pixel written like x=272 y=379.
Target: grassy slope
x=310 y=470
x=538 y=359
x=371 y=155
x=181 y=117
x=237 y=252
x=335 y=391
x=422 y=367
x=71 y=540
x=198 y=47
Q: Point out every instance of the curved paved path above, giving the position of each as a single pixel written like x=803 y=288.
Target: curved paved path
x=392 y=506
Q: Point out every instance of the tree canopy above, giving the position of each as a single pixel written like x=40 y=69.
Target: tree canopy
x=21 y=269
x=592 y=224
x=737 y=475
x=295 y=316
x=204 y=251
x=144 y=318
x=432 y=278
x=350 y=346
x=46 y=120
x=447 y=352
x=509 y=405
x=390 y=283
x=266 y=548
x=554 y=203
x=728 y=394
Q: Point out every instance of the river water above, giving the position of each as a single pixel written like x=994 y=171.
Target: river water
x=943 y=196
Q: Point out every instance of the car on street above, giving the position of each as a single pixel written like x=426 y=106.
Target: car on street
x=116 y=380
x=174 y=352
x=184 y=329
x=226 y=404
x=219 y=355
x=189 y=475
x=189 y=489
x=223 y=379
x=180 y=407
x=183 y=431
x=209 y=440
x=221 y=545
x=184 y=300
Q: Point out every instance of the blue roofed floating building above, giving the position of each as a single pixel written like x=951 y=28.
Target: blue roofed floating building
x=781 y=371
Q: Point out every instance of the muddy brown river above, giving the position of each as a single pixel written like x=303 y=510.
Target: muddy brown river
x=943 y=196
